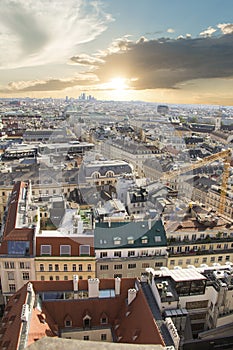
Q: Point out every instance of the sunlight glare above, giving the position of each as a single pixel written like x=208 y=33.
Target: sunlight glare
x=118 y=84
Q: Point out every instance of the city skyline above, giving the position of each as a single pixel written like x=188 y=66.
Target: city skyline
x=156 y=51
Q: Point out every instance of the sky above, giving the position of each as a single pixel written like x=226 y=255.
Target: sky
x=170 y=51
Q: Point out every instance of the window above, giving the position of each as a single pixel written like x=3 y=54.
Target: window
x=218 y=246
x=25 y=265
x=103 y=337
x=68 y=323
x=26 y=276
x=89 y=267
x=227 y=257
x=196 y=261
x=130 y=240
x=158 y=239
x=104 y=320
x=204 y=260
x=220 y=258
x=9 y=265
x=18 y=247
x=103 y=267
x=12 y=288
x=41 y=267
x=11 y=275
x=117 y=275
x=86 y=337
x=74 y=267
x=145 y=265
x=132 y=266
x=65 y=250
x=50 y=267
x=103 y=254
x=118 y=267
x=80 y=267
x=188 y=261
x=65 y=278
x=56 y=267
x=158 y=264
x=65 y=268
x=84 y=250
x=212 y=259
x=57 y=278
x=172 y=262
x=180 y=262
x=45 y=250
x=117 y=254
x=144 y=239
x=51 y=278
x=42 y=278
x=131 y=253
x=117 y=240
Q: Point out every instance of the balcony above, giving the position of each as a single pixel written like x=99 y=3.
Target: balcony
x=201 y=252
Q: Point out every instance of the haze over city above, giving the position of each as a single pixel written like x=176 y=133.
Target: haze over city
x=157 y=51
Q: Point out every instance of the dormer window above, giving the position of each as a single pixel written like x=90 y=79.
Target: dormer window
x=87 y=321
x=144 y=239
x=117 y=240
x=130 y=240
x=104 y=319
x=68 y=321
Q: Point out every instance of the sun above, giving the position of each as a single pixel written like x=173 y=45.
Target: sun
x=118 y=84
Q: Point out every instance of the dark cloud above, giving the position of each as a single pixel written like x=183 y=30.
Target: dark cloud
x=85 y=60
x=165 y=62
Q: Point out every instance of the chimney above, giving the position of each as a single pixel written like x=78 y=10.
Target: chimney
x=93 y=288
x=117 y=286
x=149 y=224
x=131 y=295
x=75 y=285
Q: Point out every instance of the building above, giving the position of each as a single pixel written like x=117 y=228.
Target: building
x=97 y=310
x=17 y=250
x=125 y=249
x=198 y=237
x=196 y=299
x=54 y=253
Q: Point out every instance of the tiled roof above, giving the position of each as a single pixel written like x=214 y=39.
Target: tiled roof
x=135 y=322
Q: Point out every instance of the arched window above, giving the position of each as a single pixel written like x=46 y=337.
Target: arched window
x=109 y=174
x=95 y=175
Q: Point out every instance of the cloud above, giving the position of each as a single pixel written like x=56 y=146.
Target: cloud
x=226 y=28
x=171 y=30
x=44 y=31
x=208 y=32
x=85 y=60
x=165 y=63
x=50 y=84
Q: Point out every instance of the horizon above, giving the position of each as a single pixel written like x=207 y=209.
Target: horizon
x=155 y=51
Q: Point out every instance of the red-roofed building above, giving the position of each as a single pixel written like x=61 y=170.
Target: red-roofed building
x=18 y=241
x=111 y=310
x=29 y=253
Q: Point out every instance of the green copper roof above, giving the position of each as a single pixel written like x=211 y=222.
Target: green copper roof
x=130 y=235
